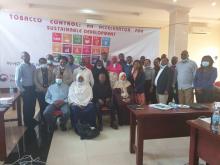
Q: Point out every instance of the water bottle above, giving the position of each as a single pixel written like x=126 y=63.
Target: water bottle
x=215 y=119
x=11 y=90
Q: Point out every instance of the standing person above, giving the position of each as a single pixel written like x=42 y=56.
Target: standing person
x=122 y=61
x=149 y=77
x=103 y=97
x=163 y=81
x=142 y=58
x=97 y=69
x=104 y=59
x=173 y=93
x=85 y=72
x=71 y=64
x=87 y=63
x=63 y=70
x=80 y=99
x=50 y=61
x=186 y=70
x=204 y=80
x=114 y=70
x=128 y=67
x=43 y=78
x=138 y=82
x=156 y=70
x=56 y=97
x=24 y=79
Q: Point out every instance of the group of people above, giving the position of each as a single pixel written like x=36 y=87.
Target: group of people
x=80 y=91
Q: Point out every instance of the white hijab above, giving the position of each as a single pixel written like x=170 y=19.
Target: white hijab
x=80 y=93
x=123 y=85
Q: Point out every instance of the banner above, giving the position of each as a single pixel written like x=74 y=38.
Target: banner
x=40 y=37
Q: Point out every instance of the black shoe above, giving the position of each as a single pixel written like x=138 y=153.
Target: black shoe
x=63 y=127
x=100 y=127
x=114 y=125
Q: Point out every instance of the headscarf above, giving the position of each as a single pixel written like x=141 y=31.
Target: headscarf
x=80 y=93
x=96 y=71
x=123 y=85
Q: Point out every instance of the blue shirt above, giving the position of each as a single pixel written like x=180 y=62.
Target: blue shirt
x=185 y=74
x=205 y=79
x=24 y=75
x=127 y=69
x=57 y=92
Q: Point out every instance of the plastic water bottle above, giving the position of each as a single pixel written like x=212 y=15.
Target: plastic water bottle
x=215 y=119
x=11 y=90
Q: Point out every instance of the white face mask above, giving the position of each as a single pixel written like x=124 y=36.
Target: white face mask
x=62 y=67
x=99 y=67
x=59 y=81
x=82 y=67
x=205 y=63
x=43 y=65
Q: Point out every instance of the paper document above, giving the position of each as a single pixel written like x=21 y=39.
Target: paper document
x=208 y=119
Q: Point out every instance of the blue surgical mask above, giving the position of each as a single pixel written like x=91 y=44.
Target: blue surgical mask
x=58 y=81
x=205 y=63
x=49 y=62
x=162 y=66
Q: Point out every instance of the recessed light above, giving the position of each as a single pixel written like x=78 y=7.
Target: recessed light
x=174 y=1
x=213 y=4
x=87 y=11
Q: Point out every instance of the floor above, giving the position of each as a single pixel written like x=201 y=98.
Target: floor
x=112 y=148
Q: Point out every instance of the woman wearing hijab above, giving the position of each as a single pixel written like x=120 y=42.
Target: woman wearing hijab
x=138 y=82
x=103 y=98
x=204 y=80
x=122 y=95
x=80 y=97
x=123 y=84
x=97 y=69
x=114 y=70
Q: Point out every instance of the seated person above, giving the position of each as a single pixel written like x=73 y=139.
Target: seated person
x=56 y=97
x=122 y=96
x=102 y=97
x=80 y=97
x=124 y=86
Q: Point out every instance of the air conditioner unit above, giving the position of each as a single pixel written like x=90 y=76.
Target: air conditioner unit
x=199 y=28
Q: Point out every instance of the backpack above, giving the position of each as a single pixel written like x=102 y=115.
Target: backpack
x=85 y=131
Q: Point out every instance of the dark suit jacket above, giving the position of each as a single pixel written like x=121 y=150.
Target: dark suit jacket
x=139 y=83
x=165 y=80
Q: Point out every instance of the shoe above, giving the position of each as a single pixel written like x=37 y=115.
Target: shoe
x=100 y=128
x=114 y=125
x=63 y=127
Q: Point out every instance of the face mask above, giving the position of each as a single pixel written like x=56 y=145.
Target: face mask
x=62 y=67
x=43 y=65
x=49 y=62
x=184 y=60
x=59 y=81
x=99 y=67
x=162 y=66
x=205 y=63
x=82 y=67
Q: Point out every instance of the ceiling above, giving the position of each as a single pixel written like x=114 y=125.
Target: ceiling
x=125 y=12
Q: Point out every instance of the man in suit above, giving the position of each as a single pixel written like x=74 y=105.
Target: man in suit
x=163 y=81
x=43 y=78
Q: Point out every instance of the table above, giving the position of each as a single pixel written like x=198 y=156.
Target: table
x=203 y=143
x=17 y=101
x=155 y=124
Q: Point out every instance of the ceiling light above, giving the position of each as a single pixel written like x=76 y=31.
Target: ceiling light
x=87 y=11
x=174 y=1
x=213 y=4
